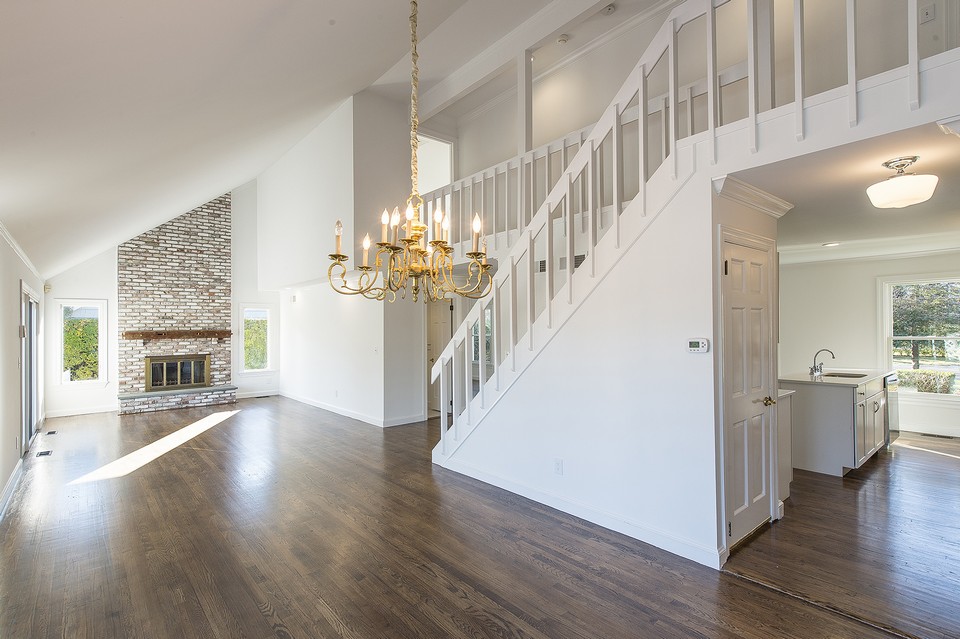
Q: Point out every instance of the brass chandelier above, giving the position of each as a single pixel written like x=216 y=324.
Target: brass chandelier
x=411 y=262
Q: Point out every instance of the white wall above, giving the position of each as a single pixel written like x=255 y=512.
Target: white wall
x=835 y=305
x=565 y=99
x=300 y=199
x=617 y=398
x=95 y=279
x=332 y=351
x=12 y=270
x=381 y=147
x=356 y=357
x=246 y=292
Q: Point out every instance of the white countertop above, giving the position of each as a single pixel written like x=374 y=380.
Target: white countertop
x=807 y=378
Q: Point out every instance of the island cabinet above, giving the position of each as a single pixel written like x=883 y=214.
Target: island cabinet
x=837 y=422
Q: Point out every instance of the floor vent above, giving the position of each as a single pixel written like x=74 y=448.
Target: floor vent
x=577 y=261
x=937 y=436
x=44 y=453
x=51 y=432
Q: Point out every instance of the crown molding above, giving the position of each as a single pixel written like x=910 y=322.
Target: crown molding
x=874 y=249
x=731 y=188
x=12 y=241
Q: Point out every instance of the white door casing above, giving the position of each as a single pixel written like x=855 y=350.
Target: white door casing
x=748 y=384
x=439 y=332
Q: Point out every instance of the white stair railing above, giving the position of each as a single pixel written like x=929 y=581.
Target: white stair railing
x=582 y=225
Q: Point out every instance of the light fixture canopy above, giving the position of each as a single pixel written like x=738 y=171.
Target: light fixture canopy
x=902 y=189
x=411 y=262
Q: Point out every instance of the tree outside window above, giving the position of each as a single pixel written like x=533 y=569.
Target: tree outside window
x=256 y=324
x=926 y=336
x=81 y=343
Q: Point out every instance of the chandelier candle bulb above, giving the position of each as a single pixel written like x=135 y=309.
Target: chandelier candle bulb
x=437 y=221
x=338 y=231
x=385 y=224
x=395 y=223
x=366 y=249
x=446 y=228
x=476 y=232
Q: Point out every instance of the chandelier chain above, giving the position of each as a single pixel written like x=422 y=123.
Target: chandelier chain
x=414 y=115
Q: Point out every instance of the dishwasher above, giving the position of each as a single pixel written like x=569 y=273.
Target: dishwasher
x=891 y=422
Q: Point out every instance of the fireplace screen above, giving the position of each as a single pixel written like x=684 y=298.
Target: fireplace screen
x=177 y=371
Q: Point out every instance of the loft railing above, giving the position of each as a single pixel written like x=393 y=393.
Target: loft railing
x=566 y=228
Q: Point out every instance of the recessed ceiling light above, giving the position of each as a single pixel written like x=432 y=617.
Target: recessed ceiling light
x=829 y=244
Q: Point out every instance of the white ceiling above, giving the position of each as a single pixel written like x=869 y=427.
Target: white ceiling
x=828 y=190
x=116 y=116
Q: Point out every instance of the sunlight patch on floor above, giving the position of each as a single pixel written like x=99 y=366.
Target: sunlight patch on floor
x=926 y=450
x=143 y=456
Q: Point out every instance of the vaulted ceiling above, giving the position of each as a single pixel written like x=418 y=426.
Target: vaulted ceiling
x=116 y=116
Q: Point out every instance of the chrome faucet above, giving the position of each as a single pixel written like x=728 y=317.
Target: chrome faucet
x=817 y=369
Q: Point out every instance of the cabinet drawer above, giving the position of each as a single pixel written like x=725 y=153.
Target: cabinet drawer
x=867 y=389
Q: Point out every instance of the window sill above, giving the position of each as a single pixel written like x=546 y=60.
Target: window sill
x=258 y=373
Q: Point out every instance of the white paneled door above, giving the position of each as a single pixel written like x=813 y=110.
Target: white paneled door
x=748 y=386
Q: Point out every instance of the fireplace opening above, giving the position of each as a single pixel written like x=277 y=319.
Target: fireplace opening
x=170 y=372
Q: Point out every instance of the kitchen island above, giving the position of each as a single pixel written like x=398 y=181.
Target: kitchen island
x=838 y=418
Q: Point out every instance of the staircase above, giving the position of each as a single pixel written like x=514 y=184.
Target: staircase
x=587 y=200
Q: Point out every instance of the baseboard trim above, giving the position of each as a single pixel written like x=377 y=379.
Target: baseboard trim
x=68 y=412
x=254 y=394
x=12 y=482
x=704 y=555
x=367 y=419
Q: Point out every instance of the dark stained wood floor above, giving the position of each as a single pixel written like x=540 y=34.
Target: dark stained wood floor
x=289 y=521
x=881 y=544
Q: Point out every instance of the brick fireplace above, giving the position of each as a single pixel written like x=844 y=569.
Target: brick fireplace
x=174 y=285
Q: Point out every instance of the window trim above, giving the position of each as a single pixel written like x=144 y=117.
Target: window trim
x=885 y=286
x=103 y=368
x=241 y=341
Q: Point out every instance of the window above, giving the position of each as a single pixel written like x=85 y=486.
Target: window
x=83 y=344
x=256 y=339
x=924 y=345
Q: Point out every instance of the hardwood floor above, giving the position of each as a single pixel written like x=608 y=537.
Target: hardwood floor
x=881 y=544
x=288 y=521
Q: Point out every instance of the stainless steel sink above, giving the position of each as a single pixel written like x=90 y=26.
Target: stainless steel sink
x=850 y=375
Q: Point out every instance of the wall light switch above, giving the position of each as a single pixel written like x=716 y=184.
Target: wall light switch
x=928 y=13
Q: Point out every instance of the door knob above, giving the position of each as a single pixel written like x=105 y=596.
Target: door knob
x=769 y=401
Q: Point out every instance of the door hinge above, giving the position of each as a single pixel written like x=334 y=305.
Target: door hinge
x=725 y=267
x=23 y=332
x=729 y=529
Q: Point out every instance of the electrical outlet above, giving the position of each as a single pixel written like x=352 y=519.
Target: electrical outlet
x=928 y=13
x=558 y=466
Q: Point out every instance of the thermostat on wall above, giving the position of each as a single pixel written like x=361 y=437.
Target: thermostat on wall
x=698 y=345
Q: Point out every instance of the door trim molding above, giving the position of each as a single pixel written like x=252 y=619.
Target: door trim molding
x=745 y=238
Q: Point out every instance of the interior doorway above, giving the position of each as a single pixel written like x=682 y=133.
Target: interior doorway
x=439 y=332
x=748 y=383
x=29 y=356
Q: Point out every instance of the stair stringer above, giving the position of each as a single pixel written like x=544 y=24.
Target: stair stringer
x=663 y=188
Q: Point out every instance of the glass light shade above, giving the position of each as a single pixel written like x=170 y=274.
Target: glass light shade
x=902 y=190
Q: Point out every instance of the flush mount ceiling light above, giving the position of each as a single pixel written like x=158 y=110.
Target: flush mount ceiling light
x=902 y=189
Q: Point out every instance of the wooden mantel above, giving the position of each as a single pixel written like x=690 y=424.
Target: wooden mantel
x=177 y=334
